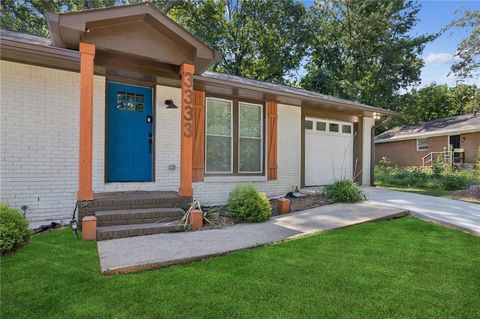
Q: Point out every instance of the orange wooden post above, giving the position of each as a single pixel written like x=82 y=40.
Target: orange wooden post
x=87 y=54
x=89 y=228
x=186 y=139
x=196 y=219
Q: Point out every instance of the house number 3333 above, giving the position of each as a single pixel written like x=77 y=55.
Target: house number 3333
x=187 y=104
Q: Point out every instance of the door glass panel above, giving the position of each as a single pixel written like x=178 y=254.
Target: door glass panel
x=121 y=106
x=139 y=103
x=130 y=102
x=347 y=129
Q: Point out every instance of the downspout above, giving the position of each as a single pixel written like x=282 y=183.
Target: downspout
x=372 y=149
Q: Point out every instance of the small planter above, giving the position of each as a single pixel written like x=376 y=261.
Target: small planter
x=283 y=206
x=196 y=219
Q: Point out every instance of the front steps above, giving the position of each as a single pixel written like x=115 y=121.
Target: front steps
x=127 y=214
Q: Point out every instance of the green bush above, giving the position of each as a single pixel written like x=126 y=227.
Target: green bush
x=344 y=191
x=14 y=231
x=453 y=182
x=247 y=204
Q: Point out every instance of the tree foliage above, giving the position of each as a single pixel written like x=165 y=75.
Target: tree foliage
x=262 y=39
x=364 y=50
x=468 y=51
x=433 y=102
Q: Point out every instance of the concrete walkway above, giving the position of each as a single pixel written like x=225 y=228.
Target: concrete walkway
x=448 y=212
x=155 y=251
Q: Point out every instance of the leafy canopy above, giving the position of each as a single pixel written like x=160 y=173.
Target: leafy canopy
x=364 y=50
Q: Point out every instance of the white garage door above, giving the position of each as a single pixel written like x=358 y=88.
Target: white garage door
x=328 y=151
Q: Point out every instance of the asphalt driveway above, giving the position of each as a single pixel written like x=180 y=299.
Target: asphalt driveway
x=451 y=213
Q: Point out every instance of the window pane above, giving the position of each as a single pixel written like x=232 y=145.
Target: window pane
x=250 y=154
x=219 y=114
x=321 y=126
x=346 y=129
x=333 y=127
x=422 y=144
x=309 y=125
x=130 y=102
x=121 y=101
x=218 y=154
x=250 y=117
x=139 y=103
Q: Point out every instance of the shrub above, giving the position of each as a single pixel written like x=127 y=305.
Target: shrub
x=384 y=163
x=247 y=204
x=14 y=231
x=453 y=182
x=344 y=191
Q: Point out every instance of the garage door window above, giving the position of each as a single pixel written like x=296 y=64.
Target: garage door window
x=308 y=125
x=332 y=127
x=347 y=129
x=321 y=126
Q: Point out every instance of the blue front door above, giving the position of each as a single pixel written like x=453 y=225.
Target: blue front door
x=129 y=133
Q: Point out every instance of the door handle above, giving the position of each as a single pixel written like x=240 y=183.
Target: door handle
x=149 y=119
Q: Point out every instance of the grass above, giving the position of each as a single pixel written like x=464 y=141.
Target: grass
x=393 y=269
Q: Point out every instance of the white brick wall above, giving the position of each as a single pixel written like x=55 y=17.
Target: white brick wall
x=289 y=146
x=39 y=128
x=39 y=121
x=368 y=123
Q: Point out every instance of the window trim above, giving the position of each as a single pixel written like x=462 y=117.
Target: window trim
x=421 y=149
x=235 y=119
x=231 y=135
x=261 y=139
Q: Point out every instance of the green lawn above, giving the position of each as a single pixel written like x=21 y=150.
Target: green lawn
x=393 y=269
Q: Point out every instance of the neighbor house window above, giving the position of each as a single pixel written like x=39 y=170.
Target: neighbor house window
x=422 y=144
x=219 y=135
x=250 y=137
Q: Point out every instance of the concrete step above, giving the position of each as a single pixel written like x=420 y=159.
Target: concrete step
x=121 y=231
x=137 y=216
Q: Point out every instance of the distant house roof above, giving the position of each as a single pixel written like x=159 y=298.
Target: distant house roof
x=450 y=125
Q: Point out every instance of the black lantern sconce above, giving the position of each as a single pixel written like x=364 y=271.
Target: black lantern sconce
x=170 y=104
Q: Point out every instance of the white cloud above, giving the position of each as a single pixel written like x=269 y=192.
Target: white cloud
x=439 y=58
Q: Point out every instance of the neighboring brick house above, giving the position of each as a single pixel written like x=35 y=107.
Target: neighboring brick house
x=88 y=119
x=408 y=145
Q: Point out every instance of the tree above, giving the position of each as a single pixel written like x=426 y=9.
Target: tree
x=433 y=102
x=468 y=51
x=28 y=16
x=364 y=50
x=261 y=39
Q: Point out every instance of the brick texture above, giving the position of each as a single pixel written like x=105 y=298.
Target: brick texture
x=404 y=153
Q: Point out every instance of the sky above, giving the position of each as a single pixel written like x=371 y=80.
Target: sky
x=439 y=54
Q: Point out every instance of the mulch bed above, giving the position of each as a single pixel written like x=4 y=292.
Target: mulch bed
x=302 y=203
x=472 y=193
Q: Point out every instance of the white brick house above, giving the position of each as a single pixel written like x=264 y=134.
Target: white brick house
x=56 y=93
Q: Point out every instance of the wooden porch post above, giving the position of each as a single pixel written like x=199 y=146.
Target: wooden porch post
x=186 y=139
x=87 y=54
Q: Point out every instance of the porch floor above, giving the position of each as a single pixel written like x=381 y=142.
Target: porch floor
x=156 y=251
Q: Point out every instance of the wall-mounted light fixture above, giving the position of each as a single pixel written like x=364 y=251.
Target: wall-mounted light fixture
x=170 y=104
x=463 y=139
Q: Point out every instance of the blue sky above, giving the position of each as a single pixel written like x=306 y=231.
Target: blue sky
x=439 y=54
